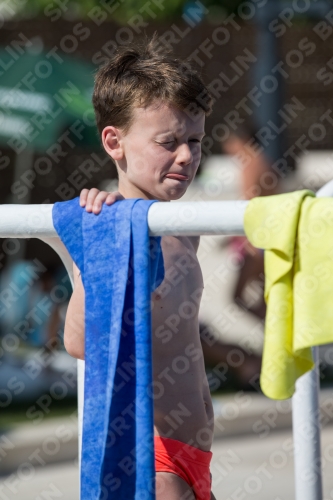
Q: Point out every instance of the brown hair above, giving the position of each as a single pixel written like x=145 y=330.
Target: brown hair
x=141 y=73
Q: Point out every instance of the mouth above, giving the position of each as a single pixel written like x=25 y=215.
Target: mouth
x=177 y=177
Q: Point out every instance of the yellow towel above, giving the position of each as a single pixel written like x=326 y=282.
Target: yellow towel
x=296 y=231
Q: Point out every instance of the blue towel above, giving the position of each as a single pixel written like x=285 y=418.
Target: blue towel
x=120 y=267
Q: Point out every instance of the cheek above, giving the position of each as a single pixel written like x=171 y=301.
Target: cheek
x=159 y=152
x=138 y=165
x=135 y=153
x=148 y=162
x=196 y=153
x=159 y=159
x=146 y=167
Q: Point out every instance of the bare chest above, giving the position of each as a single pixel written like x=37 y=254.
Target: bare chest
x=182 y=272
x=176 y=302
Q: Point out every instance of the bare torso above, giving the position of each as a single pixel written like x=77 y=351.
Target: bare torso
x=182 y=403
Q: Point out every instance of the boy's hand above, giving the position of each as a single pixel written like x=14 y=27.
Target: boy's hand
x=93 y=199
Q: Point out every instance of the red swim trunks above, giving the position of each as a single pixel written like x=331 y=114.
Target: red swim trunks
x=187 y=462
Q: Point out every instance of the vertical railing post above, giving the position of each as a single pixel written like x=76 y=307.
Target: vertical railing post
x=306 y=435
x=306 y=422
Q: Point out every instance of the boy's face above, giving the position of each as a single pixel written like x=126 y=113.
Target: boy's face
x=161 y=153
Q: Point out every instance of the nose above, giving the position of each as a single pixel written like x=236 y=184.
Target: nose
x=184 y=154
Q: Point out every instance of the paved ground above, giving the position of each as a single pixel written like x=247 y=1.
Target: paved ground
x=243 y=468
x=248 y=467
x=42 y=483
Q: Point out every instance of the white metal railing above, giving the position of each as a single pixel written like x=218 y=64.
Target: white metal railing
x=190 y=219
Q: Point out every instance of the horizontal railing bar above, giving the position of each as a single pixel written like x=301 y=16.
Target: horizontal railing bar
x=26 y=221
x=195 y=218
x=187 y=218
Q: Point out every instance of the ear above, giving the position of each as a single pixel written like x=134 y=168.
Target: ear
x=111 y=139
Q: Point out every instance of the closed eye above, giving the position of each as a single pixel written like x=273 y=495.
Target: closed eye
x=171 y=142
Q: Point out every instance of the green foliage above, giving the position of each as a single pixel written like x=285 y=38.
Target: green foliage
x=123 y=10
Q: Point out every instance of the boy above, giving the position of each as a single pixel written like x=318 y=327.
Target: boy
x=142 y=99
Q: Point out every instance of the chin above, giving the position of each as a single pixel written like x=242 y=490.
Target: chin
x=175 y=195
x=170 y=193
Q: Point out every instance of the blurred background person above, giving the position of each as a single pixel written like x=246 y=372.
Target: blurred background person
x=257 y=179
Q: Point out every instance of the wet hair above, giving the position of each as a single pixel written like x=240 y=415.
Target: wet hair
x=140 y=74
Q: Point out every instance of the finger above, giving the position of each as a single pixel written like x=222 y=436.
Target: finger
x=115 y=196
x=99 y=200
x=83 y=197
x=111 y=198
x=91 y=198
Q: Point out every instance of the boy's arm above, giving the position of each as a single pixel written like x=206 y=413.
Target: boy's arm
x=195 y=240
x=74 y=323
x=92 y=200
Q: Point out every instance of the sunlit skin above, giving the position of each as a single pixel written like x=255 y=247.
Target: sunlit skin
x=162 y=141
